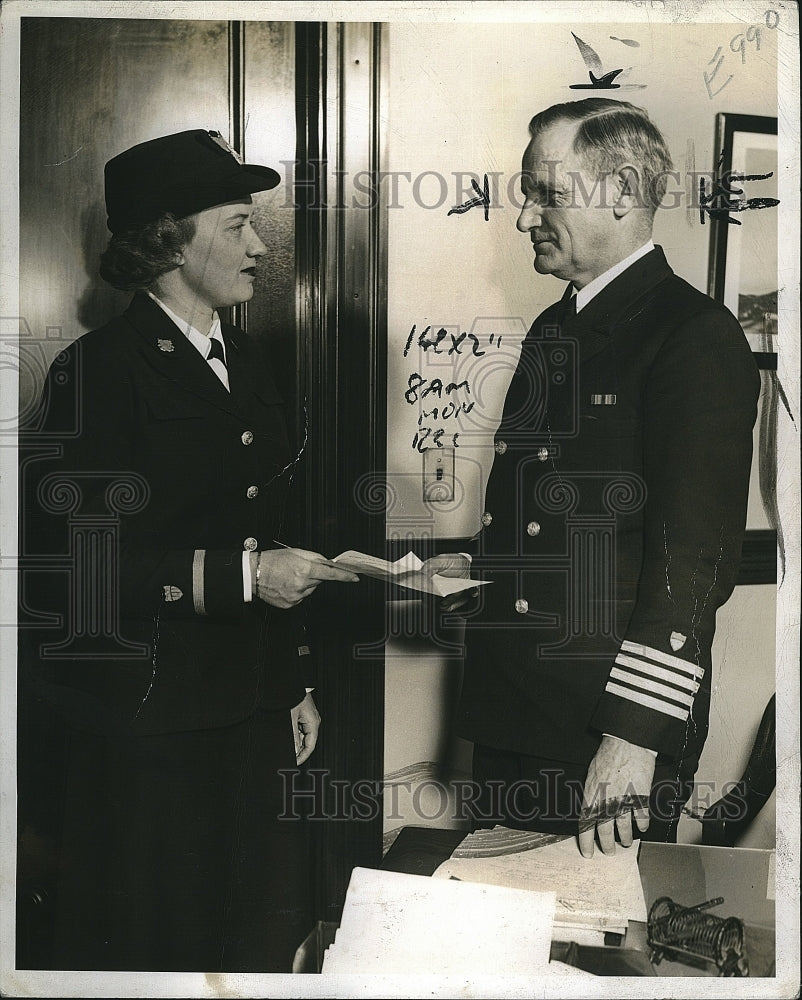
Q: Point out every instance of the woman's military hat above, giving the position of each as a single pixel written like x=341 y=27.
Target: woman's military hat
x=182 y=174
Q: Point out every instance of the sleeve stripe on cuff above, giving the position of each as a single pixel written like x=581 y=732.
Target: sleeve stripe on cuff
x=647 y=700
x=645 y=684
x=198 y=596
x=647 y=653
x=658 y=673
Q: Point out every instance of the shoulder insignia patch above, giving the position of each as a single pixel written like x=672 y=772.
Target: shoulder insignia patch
x=677 y=640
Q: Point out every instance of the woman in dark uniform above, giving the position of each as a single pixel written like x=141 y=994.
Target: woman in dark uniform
x=159 y=478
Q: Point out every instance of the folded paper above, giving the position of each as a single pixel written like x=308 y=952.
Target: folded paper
x=405 y=572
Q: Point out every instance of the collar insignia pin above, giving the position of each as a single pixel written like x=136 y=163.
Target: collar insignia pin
x=166 y=345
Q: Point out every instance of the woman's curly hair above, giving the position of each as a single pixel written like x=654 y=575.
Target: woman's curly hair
x=139 y=254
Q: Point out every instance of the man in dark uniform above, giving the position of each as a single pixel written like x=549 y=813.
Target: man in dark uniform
x=615 y=508
x=157 y=486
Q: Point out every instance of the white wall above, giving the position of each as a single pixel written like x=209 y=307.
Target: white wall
x=743 y=658
x=460 y=98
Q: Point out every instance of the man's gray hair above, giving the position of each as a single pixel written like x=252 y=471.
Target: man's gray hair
x=610 y=134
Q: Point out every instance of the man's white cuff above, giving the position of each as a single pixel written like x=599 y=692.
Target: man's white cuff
x=610 y=736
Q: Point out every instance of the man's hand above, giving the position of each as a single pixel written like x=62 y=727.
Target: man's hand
x=305 y=726
x=617 y=787
x=286 y=576
x=451 y=564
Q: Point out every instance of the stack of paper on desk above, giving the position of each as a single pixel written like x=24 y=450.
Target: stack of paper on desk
x=600 y=893
x=405 y=572
x=394 y=923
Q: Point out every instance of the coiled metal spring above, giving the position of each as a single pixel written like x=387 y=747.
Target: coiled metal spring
x=675 y=930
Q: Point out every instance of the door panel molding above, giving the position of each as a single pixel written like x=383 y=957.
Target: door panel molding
x=342 y=323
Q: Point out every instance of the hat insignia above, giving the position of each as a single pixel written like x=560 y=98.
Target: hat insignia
x=221 y=142
x=166 y=345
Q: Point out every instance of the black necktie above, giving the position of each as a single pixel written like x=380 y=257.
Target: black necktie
x=570 y=307
x=216 y=351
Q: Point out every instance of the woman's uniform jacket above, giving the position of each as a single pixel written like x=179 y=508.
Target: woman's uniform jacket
x=144 y=481
x=613 y=523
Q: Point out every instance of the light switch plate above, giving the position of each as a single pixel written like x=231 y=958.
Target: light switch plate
x=438 y=475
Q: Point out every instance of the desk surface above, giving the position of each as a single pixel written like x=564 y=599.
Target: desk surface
x=688 y=873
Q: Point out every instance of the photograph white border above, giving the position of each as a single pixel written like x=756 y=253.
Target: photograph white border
x=788 y=596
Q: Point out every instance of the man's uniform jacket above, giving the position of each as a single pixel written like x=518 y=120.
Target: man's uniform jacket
x=144 y=483
x=613 y=523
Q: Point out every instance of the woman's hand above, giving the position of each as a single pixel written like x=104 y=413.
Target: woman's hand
x=285 y=577
x=305 y=727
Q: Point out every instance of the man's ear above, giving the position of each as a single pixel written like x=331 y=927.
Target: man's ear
x=628 y=183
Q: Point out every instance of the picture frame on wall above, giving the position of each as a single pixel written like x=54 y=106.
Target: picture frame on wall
x=741 y=208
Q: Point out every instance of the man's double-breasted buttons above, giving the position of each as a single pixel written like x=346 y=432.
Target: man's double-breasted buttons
x=249 y=544
x=486 y=519
x=247 y=437
x=500 y=447
x=532 y=529
x=522 y=606
x=542 y=454
x=252 y=492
